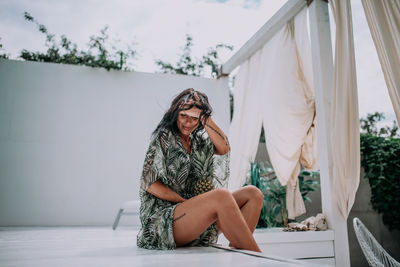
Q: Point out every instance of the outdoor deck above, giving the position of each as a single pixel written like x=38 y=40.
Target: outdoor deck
x=101 y=246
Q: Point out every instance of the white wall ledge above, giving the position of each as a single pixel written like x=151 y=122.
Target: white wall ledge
x=273 y=235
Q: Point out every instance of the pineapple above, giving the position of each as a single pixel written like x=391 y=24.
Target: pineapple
x=203 y=185
x=202 y=170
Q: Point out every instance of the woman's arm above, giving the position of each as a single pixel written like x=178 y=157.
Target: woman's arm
x=217 y=136
x=163 y=192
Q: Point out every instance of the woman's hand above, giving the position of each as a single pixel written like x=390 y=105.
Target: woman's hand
x=163 y=192
x=216 y=135
x=206 y=110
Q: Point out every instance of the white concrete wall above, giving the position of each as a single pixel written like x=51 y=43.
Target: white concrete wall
x=73 y=139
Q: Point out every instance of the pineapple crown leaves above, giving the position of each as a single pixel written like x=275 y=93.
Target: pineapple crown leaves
x=202 y=164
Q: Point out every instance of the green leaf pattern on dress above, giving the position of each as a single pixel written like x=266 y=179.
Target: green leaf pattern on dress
x=166 y=160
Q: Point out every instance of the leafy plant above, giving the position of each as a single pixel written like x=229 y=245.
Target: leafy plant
x=187 y=65
x=2 y=55
x=100 y=53
x=368 y=125
x=308 y=185
x=273 y=212
x=380 y=158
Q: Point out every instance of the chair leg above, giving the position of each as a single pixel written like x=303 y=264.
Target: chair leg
x=117 y=219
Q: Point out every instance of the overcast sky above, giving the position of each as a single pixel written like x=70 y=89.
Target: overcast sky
x=158 y=27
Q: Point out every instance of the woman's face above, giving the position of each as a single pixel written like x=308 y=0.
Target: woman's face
x=188 y=120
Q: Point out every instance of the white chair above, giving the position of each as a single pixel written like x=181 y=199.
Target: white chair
x=373 y=251
x=127 y=208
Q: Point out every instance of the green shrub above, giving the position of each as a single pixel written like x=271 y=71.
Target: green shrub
x=187 y=65
x=380 y=158
x=381 y=162
x=100 y=53
x=2 y=55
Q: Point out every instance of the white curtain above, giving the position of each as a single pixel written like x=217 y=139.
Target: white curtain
x=384 y=23
x=245 y=128
x=274 y=87
x=344 y=119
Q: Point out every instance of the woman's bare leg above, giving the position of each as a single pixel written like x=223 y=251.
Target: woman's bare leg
x=250 y=201
x=192 y=217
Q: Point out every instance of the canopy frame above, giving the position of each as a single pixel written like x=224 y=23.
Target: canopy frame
x=323 y=70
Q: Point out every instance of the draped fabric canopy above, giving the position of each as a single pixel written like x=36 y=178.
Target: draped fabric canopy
x=344 y=128
x=383 y=18
x=274 y=87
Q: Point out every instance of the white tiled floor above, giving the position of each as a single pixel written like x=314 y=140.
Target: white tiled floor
x=101 y=246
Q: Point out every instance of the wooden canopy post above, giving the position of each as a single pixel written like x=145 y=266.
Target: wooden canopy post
x=323 y=84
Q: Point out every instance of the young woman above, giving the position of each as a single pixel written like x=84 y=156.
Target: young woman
x=180 y=202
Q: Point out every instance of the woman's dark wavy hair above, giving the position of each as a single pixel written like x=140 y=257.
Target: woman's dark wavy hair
x=179 y=103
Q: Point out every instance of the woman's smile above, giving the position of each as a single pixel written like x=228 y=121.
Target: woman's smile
x=188 y=120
